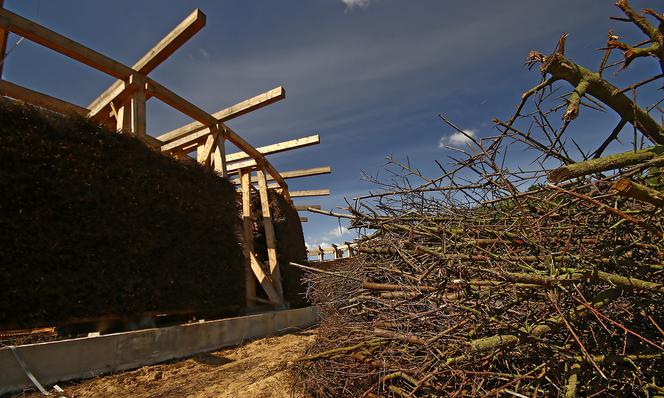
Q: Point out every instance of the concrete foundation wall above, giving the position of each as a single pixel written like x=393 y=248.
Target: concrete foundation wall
x=88 y=357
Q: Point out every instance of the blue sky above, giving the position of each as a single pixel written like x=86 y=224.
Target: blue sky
x=369 y=76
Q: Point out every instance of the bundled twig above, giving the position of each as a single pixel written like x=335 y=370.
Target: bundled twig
x=491 y=280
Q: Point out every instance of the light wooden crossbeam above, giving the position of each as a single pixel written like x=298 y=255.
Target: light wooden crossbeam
x=278 y=147
x=314 y=192
x=191 y=25
x=257 y=102
x=120 y=93
x=36 y=98
x=293 y=174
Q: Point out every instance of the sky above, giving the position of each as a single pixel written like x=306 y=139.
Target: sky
x=368 y=76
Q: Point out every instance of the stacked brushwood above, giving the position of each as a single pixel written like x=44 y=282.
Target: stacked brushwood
x=491 y=280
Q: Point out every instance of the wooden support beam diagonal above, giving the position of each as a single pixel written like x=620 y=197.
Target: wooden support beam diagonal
x=36 y=98
x=229 y=113
x=254 y=268
x=207 y=151
x=119 y=95
x=192 y=24
x=270 y=238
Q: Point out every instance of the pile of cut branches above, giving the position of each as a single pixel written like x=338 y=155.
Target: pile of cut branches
x=493 y=279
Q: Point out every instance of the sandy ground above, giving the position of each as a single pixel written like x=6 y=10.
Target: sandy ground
x=258 y=369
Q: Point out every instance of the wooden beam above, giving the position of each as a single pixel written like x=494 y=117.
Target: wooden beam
x=270 y=238
x=219 y=160
x=119 y=95
x=254 y=269
x=174 y=145
x=229 y=113
x=36 y=98
x=205 y=157
x=315 y=192
x=304 y=219
x=158 y=54
x=138 y=115
x=48 y=38
x=278 y=147
x=293 y=173
x=3 y=44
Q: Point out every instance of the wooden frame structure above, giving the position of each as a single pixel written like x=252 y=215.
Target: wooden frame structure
x=122 y=107
x=337 y=251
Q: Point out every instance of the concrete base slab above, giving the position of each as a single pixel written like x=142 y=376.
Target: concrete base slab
x=87 y=357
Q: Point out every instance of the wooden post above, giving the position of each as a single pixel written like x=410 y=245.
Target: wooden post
x=350 y=249
x=250 y=279
x=269 y=232
x=138 y=118
x=3 y=44
x=335 y=253
x=254 y=270
x=321 y=254
x=123 y=118
x=220 y=158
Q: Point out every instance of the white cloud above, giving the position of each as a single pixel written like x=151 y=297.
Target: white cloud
x=334 y=235
x=350 y=4
x=457 y=139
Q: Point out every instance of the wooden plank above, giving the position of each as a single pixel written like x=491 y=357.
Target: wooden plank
x=313 y=192
x=229 y=113
x=219 y=160
x=208 y=149
x=293 y=173
x=278 y=147
x=158 y=54
x=304 y=219
x=123 y=117
x=88 y=357
x=174 y=145
x=270 y=238
x=254 y=269
x=120 y=93
x=138 y=116
x=36 y=98
x=48 y=38
x=305 y=207
x=3 y=44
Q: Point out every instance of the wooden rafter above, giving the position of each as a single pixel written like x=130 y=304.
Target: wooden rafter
x=224 y=115
x=278 y=147
x=192 y=24
x=293 y=173
x=313 y=192
x=36 y=98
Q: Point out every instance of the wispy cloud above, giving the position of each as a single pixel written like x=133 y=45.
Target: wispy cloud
x=350 y=4
x=457 y=139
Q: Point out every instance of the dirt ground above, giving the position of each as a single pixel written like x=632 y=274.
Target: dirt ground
x=258 y=369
